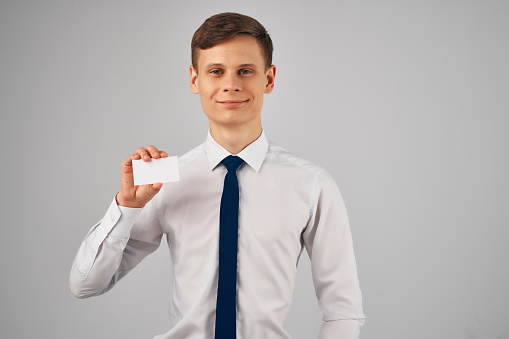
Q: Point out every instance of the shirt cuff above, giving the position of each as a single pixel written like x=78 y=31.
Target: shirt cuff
x=119 y=220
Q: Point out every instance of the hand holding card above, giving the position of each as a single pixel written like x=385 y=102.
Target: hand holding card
x=153 y=168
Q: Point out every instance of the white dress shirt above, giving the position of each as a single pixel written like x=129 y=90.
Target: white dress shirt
x=286 y=204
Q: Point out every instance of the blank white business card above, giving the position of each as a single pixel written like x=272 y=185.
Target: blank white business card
x=156 y=170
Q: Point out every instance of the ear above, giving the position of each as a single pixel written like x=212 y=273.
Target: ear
x=193 y=75
x=270 y=77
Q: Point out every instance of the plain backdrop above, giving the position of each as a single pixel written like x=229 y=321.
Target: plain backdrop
x=405 y=103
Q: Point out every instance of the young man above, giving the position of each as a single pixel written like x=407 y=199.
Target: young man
x=240 y=216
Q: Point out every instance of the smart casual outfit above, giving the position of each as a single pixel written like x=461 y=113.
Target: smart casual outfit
x=286 y=204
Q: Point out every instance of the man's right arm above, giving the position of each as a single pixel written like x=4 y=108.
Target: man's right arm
x=128 y=232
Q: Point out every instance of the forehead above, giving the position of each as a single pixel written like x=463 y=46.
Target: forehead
x=242 y=49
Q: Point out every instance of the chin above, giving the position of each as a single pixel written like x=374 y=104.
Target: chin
x=231 y=117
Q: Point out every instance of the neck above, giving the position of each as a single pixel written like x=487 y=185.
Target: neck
x=235 y=139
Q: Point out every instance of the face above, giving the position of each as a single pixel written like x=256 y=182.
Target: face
x=231 y=80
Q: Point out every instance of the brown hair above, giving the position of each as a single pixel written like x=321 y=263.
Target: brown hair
x=225 y=26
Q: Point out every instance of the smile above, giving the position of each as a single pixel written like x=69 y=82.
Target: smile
x=232 y=103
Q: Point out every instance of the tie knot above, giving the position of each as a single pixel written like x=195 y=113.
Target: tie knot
x=232 y=162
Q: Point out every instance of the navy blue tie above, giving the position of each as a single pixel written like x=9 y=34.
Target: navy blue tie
x=226 y=307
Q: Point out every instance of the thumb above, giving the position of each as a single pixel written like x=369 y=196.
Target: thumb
x=157 y=186
x=150 y=191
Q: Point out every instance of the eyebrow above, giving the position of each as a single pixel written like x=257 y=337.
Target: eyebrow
x=249 y=65
x=224 y=66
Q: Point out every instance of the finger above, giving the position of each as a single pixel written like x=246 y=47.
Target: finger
x=128 y=162
x=157 y=186
x=143 y=154
x=147 y=192
x=127 y=189
x=163 y=154
x=126 y=174
x=153 y=151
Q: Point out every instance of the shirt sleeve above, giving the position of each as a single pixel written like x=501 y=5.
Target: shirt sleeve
x=328 y=241
x=113 y=247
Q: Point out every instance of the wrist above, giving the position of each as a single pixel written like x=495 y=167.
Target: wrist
x=121 y=201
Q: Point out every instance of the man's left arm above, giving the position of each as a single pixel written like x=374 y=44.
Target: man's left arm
x=328 y=241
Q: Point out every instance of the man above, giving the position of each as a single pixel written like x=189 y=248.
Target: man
x=255 y=216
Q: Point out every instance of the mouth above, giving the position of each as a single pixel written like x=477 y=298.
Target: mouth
x=232 y=103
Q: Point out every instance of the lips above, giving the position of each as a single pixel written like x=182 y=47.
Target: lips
x=232 y=103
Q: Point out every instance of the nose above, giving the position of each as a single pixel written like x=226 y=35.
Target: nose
x=231 y=83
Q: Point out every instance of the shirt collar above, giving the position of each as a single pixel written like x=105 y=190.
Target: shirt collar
x=253 y=154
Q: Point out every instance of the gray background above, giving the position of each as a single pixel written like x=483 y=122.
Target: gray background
x=404 y=102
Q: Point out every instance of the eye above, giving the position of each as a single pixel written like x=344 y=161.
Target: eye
x=215 y=71
x=245 y=71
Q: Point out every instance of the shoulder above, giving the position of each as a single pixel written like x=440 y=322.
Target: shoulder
x=301 y=168
x=283 y=157
x=191 y=156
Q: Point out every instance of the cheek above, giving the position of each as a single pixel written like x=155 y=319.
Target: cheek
x=207 y=90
